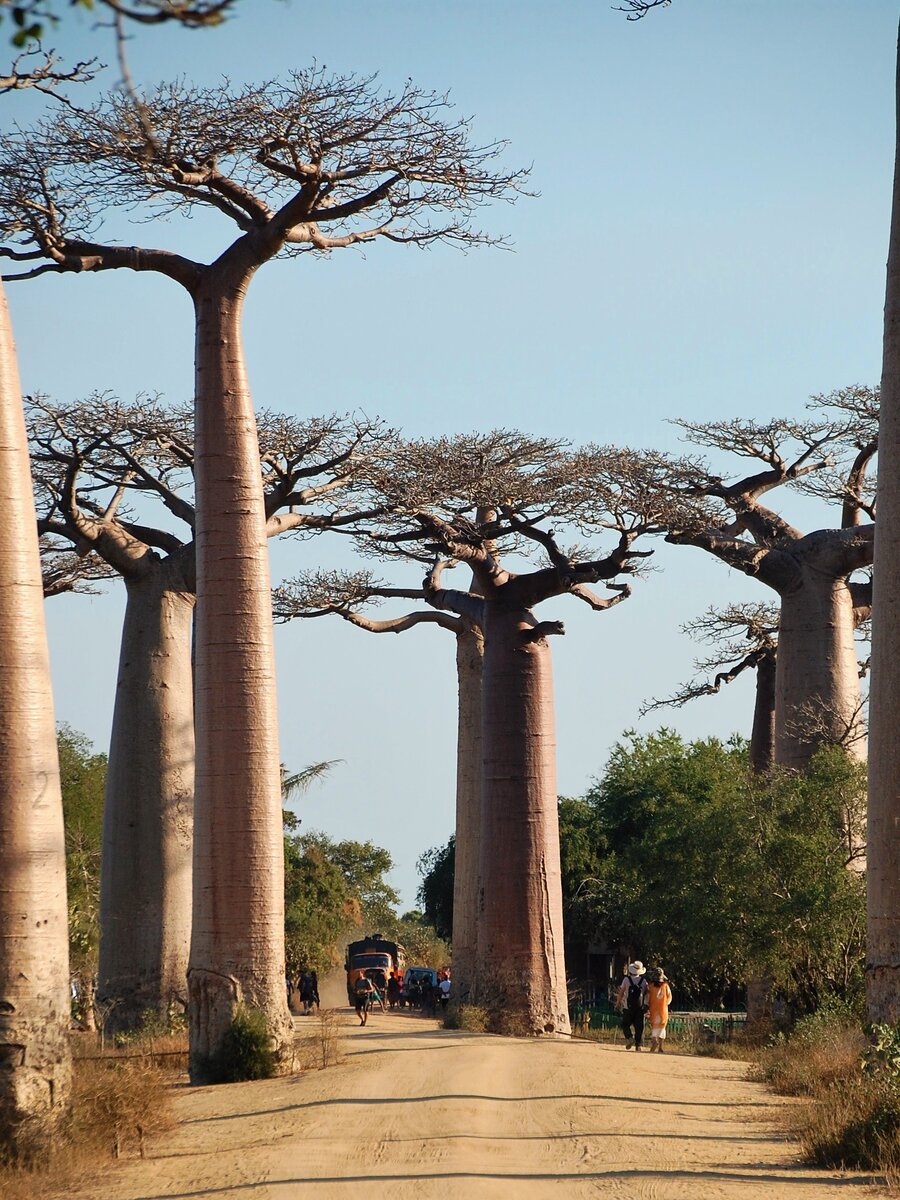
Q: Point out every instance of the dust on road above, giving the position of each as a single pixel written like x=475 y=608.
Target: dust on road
x=418 y=1111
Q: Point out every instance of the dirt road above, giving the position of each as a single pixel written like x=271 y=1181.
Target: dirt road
x=427 y=1113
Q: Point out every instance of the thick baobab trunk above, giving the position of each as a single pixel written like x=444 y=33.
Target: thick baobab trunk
x=762 y=736
x=145 y=880
x=237 y=937
x=521 y=966
x=35 y=1061
x=469 y=655
x=817 y=675
x=883 y=849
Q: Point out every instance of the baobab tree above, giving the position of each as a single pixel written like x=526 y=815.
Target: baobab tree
x=35 y=1066
x=883 y=861
x=34 y=984
x=93 y=462
x=811 y=573
x=466 y=501
x=314 y=164
x=35 y=1057
x=883 y=875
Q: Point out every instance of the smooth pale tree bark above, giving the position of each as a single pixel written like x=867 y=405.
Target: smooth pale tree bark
x=519 y=954
x=145 y=877
x=469 y=661
x=762 y=734
x=35 y=1062
x=817 y=697
x=145 y=880
x=883 y=848
x=237 y=936
x=520 y=959
x=817 y=693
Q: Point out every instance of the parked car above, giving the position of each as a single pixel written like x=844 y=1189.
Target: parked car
x=420 y=986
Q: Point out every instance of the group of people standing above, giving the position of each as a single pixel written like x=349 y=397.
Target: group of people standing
x=644 y=993
x=306 y=989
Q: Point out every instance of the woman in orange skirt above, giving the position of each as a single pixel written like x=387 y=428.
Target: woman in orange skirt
x=660 y=997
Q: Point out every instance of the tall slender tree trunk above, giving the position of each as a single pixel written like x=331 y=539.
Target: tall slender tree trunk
x=762 y=736
x=883 y=848
x=237 y=938
x=35 y=1063
x=521 y=964
x=817 y=675
x=760 y=988
x=469 y=656
x=145 y=880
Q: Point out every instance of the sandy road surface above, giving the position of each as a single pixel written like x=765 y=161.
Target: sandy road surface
x=444 y=1114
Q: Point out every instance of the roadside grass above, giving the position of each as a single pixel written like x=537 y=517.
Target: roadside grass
x=851 y=1118
x=318 y=1044
x=117 y=1104
x=469 y=1017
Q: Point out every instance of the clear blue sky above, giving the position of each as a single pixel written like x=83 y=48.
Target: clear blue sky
x=709 y=240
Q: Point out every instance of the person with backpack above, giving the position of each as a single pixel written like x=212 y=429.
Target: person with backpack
x=632 y=1000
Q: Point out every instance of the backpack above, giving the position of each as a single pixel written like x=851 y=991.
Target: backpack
x=635 y=1000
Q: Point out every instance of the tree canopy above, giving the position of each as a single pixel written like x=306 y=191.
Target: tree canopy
x=720 y=873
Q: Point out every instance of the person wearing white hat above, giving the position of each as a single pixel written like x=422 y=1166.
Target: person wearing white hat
x=631 y=1001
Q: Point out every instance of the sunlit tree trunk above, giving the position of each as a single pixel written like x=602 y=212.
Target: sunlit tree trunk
x=35 y=1066
x=762 y=736
x=817 y=675
x=521 y=965
x=237 y=938
x=469 y=655
x=762 y=757
x=883 y=850
x=145 y=880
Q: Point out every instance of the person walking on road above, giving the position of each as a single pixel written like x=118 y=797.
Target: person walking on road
x=631 y=1000
x=659 y=997
x=364 y=992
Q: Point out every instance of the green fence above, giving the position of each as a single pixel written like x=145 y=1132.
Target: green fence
x=709 y=1026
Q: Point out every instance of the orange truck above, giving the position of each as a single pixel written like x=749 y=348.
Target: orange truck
x=375 y=957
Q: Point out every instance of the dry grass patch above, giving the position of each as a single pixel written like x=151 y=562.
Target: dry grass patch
x=853 y=1123
x=116 y=1107
x=852 y=1086
x=811 y=1060
x=319 y=1044
x=469 y=1017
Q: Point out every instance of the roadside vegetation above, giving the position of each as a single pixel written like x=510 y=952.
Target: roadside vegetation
x=850 y=1079
x=119 y=1102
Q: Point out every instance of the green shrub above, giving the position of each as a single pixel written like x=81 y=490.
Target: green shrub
x=245 y=1052
x=466 y=1016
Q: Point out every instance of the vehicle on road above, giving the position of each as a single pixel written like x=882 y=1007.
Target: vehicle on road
x=420 y=987
x=375 y=957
